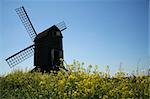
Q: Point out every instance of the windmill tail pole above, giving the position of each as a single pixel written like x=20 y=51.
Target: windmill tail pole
x=62 y=65
x=64 y=68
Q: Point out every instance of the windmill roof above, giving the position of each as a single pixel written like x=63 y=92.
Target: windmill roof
x=46 y=32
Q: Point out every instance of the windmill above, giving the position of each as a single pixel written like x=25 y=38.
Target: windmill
x=47 y=48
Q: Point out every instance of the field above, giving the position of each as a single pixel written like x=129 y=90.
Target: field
x=77 y=83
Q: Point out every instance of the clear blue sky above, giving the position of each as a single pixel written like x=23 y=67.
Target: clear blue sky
x=100 y=32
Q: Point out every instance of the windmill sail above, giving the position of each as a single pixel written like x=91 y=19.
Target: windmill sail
x=20 y=56
x=61 y=26
x=26 y=22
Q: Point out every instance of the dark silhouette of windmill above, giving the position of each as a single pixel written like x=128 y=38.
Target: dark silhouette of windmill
x=47 y=48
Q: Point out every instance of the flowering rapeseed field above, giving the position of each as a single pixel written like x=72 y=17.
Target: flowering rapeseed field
x=77 y=83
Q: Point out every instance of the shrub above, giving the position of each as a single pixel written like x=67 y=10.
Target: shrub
x=77 y=83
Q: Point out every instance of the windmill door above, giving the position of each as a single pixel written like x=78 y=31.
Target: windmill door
x=56 y=55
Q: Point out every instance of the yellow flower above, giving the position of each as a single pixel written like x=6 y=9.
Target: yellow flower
x=61 y=82
x=71 y=77
x=75 y=94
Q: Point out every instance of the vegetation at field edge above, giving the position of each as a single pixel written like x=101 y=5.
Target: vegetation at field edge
x=78 y=83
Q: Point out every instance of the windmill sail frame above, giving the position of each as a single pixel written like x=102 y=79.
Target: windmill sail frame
x=26 y=22
x=61 y=26
x=20 y=56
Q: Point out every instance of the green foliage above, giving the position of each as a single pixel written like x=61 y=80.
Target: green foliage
x=77 y=83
